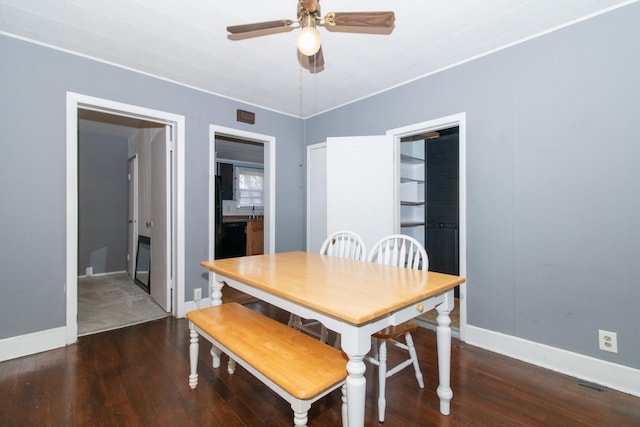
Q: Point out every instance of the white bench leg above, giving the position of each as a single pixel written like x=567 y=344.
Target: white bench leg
x=300 y=412
x=300 y=419
x=193 y=357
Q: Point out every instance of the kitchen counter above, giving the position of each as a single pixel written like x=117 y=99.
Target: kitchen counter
x=242 y=218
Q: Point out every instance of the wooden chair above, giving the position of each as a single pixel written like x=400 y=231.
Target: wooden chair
x=343 y=244
x=402 y=251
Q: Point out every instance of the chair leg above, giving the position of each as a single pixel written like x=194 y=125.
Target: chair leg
x=374 y=348
x=414 y=358
x=345 y=414
x=231 y=366
x=324 y=334
x=293 y=319
x=382 y=379
x=338 y=342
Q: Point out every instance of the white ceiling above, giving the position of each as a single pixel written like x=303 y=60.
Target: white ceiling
x=186 y=42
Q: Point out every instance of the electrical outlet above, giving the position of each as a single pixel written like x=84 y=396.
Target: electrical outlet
x=197 y=294
x=608 y=341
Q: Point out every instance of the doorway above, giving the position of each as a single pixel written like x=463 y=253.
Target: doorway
x=174 y=188
x=242 y=145
x=444 y=236
x=121 y=195
x=239 y=197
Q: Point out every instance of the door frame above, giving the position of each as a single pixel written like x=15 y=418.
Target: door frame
x=76 y=101
x=132 y=229
x=434 y=125
x=269 y=143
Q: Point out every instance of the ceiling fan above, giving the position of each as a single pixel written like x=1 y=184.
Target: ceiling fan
x=309 y=17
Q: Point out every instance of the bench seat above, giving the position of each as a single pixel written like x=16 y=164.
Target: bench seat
x=297 y=367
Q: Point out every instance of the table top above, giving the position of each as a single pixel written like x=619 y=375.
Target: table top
x=351 y=290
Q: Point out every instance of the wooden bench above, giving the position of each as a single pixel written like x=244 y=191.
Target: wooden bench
x=297 y=367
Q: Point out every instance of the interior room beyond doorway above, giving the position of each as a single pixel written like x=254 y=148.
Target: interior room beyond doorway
x=435 y=216
x=239 y=197
x=114 y=204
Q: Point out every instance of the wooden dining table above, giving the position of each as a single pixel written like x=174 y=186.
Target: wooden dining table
x=350 y=297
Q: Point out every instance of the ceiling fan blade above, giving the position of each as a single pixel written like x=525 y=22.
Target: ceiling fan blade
x=316 y=61
x=361 y=19
x=246 y=28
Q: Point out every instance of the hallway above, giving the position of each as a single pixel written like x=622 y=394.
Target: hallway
x=113 y=301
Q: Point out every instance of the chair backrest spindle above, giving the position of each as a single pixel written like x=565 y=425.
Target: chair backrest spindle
x=344 y=244
x=401 y=251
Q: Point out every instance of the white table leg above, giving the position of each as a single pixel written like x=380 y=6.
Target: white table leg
x=443 y=335
x=216 y=299
x=345 y=414
x=216 y=291
x=356 y=389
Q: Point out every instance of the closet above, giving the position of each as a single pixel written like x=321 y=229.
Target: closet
x=376 y=186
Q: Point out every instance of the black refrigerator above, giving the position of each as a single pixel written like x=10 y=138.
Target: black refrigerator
x=231 y=236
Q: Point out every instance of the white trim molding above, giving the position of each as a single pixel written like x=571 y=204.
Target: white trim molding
x=197 y=305
x=36 y=342
x=76 y=101
x=269 y=143
x=611 y=375
x=460 y=120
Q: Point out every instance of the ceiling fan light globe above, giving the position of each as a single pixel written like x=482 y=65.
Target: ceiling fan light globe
x=308 y=41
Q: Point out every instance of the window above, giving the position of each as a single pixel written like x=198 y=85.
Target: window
x=250 y=187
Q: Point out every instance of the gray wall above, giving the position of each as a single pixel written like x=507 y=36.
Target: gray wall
x=552 y=176
x=102 y=202
x=33 y=85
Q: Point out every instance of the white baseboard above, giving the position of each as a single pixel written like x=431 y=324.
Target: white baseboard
x=614 y=376
x=195 y=305
x=108 y=273
x=24 y=345
x=455 y=333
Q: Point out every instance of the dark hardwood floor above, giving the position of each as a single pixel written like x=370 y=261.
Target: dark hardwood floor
x=137 y=376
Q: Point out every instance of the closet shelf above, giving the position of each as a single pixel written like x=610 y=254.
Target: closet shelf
x=411 y=223
x=411 y=160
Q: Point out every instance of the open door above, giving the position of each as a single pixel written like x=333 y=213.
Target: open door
x=160 y=225
x=317 y=196
x=360 y=186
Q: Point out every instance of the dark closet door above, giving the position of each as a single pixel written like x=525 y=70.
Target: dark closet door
x=443 y=204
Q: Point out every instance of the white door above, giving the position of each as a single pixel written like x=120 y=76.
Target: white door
x=316 y=196
x=361 y=186
x=132 y=236
x=160 y=230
